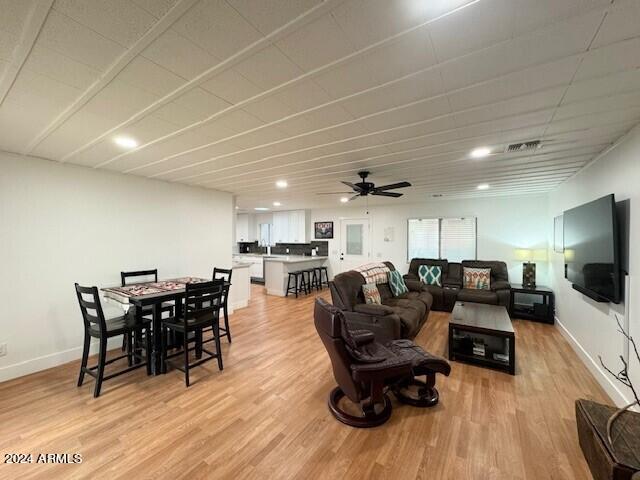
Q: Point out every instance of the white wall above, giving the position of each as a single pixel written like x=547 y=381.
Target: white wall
x=61 y=224
x=503 y=224
x=589 y=325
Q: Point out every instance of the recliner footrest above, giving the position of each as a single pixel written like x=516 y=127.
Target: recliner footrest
x=422 y=362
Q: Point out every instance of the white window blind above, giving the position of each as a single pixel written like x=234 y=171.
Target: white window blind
x=423 y=238
x=458 y=239
x=450 y=238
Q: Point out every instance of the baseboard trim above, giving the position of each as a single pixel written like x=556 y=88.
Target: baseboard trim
x=55 y=359
x=605 y=381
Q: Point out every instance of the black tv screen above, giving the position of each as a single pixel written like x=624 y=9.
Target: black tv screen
x=591 y=253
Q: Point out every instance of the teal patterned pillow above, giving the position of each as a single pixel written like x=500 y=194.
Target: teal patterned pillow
x=396 y=283
x=430 y=275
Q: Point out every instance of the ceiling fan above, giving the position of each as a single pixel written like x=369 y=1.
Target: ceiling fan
x=364 y=188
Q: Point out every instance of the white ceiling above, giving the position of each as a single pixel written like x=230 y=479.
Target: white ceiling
x=236 y=94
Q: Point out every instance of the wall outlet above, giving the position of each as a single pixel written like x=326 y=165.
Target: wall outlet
x=3 y=349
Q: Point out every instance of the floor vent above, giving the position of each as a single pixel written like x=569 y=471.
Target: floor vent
x=524 y=146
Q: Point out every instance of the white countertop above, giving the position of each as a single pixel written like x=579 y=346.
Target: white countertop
x=292 y=258
x=240 y=265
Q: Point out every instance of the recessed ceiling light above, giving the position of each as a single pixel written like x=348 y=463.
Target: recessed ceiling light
x=276 y=204
x=281 y=184
x=480 y=152
x=125 y=142
x=261 y=209
x=483 y=186
x=237 y=207
x=344 y=199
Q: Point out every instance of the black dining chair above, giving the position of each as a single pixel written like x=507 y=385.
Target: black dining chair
x=200 y=310
x=224 y=274
x=127 y=340
x=96 y=326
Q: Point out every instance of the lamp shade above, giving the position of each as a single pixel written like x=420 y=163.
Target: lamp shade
x=523 y=254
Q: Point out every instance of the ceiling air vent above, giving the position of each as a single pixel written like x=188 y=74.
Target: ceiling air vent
x=523 y=146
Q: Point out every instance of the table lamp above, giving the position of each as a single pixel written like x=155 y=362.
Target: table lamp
x=528 y=255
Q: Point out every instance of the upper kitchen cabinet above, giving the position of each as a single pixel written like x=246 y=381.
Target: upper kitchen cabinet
x=242 y=228
x=290 y=226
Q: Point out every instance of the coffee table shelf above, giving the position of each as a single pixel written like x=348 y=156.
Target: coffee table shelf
x=488 y=323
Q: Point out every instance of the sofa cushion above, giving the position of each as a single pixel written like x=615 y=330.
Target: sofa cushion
x=396 y=283
x=371 y=293
x=411 y=312
x=430 y=274
x=478 y=296
x=424 y=296
x=477 y=278
x=385 y=291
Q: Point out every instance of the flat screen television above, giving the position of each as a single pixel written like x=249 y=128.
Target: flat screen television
x=591 y=249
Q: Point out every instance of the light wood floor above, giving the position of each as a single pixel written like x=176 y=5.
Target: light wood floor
x=265 y=415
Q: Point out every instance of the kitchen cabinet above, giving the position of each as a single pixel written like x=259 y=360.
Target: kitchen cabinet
x=289 y=226
x=242 y=228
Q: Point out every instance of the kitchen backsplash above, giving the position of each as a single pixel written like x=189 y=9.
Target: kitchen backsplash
x=281 y=248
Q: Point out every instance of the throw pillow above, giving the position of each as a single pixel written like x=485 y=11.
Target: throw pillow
x=396 y=283
x=371 y=293
x=430 y=275
x=477 y=278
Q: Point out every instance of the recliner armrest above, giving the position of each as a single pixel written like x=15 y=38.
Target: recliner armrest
x=373 y=309
x=362 y=337
x=500 y=285
x=410 y=276
x=414 y=285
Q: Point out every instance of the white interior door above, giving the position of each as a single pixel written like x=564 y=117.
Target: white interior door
x=355 y=247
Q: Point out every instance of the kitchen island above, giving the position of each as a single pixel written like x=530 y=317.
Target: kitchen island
x=277 y=268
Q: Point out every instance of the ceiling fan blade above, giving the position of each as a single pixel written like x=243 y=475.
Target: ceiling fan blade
x=392 y=186
x=354 y=197
x=334 y=193
x=357 y=188
x=387 y=194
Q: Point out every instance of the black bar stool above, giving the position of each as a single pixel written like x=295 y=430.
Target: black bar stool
x=312 y=279
x=299 y=284
x=319 y=272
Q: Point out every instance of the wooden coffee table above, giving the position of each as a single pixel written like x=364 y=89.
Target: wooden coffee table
x=483 y=335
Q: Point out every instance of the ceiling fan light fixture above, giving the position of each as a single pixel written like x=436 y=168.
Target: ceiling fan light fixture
x=344 y=199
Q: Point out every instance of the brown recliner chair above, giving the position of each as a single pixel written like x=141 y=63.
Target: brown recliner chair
x=365 y=369
x=500 y=288
x=444 y=296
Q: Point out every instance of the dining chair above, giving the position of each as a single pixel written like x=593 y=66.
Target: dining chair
x=166 y=307
x=96 y=326
x=200 y=311
x=224 y=274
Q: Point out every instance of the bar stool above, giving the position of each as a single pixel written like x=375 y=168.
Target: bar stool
x=312 y=279
x=319 y=272
x=299 y=284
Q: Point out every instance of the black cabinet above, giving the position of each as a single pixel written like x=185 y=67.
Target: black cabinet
x=532 y=303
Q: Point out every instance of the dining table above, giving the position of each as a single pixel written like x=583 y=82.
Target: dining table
x=152 y=294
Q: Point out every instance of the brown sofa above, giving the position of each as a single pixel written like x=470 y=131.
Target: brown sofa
x=397 y=317
x=444 y=297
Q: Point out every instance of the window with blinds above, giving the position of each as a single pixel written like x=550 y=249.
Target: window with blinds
x=450 y=238
x=423 y=237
